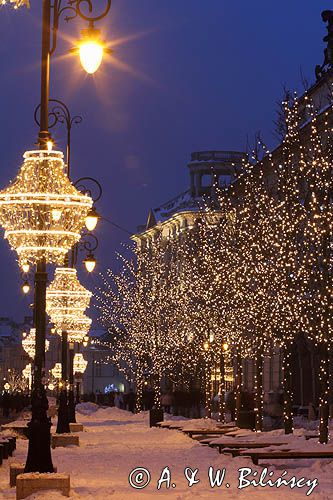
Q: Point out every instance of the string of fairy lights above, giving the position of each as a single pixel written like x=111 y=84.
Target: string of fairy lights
x=254 y=272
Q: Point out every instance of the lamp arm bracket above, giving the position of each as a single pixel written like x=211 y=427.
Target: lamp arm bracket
x=59 y=114
x=77 y=5
x=73 y=9
x=79 y=184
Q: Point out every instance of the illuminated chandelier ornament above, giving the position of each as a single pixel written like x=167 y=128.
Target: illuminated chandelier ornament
x=16 y=3
x=56 y=371
x=66 y=301
x=65 y=296
x=29 y=343
x=77 y=328
x=79 y=364
x=41 y=211
x=27 y=373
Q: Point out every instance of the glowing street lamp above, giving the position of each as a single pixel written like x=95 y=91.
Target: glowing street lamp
x=91 y=49
x=26 y=287
x=90 y=262
x=92 y=219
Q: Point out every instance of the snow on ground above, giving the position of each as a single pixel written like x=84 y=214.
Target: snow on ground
x=115 y=442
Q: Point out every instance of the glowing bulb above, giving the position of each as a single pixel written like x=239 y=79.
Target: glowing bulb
x=49 y=145
x=91 y=219
x=225 y=346
x=206 y=346
x=91 y=55
x=25 y=267
x=25 y=287
x=56 y=214
x=90 y=263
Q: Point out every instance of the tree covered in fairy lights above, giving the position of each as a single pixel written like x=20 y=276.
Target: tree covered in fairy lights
x=253 y=271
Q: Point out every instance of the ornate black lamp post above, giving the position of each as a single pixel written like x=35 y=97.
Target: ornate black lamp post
x=60 y=113
x=91 y=49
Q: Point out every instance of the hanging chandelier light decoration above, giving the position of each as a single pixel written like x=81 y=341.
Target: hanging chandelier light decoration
x=27 y=374
x=77 y=328
x=16 y=3
x=56 y=371
x=29 y=343
x=66 y=302
x=79 y=364
x=65 y=296
x=41 y=211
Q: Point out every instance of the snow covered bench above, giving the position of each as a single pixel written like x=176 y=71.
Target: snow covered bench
x=75 y=427
x=233 y=445
x=285 y=455
x=29 y=483
x=208 y=432
x=64 y=440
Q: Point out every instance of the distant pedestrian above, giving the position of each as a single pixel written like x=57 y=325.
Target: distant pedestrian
x=6 y=404
x=131 y=400
x=119 y=401
x=312 y=414
x=166 y=401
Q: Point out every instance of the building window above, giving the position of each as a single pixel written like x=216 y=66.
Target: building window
x=206 y=180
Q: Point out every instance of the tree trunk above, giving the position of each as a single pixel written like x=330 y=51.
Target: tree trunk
x=259 y=391
x=208 y=398
x=157 y=391
x=238 y=390
x=287 y=410
x=323 y=401
x=221 y=415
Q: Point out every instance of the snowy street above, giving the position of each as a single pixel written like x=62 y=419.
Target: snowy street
x=116 y=442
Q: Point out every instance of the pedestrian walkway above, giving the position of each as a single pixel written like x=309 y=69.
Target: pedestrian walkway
x=115 y=443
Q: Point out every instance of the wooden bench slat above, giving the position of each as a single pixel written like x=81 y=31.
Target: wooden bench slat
x=279 y=455
x=222 y=446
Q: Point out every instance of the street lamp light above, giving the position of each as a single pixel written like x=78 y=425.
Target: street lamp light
x=25 y=267
x=25 y=287
x=92 y=219
x=90 y=262
x=91 y=49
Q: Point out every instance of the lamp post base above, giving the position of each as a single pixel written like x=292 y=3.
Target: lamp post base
x=63 y=423
x=39 y=453
x=71 y=407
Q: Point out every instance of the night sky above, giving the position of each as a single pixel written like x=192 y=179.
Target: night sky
x=186 y=75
